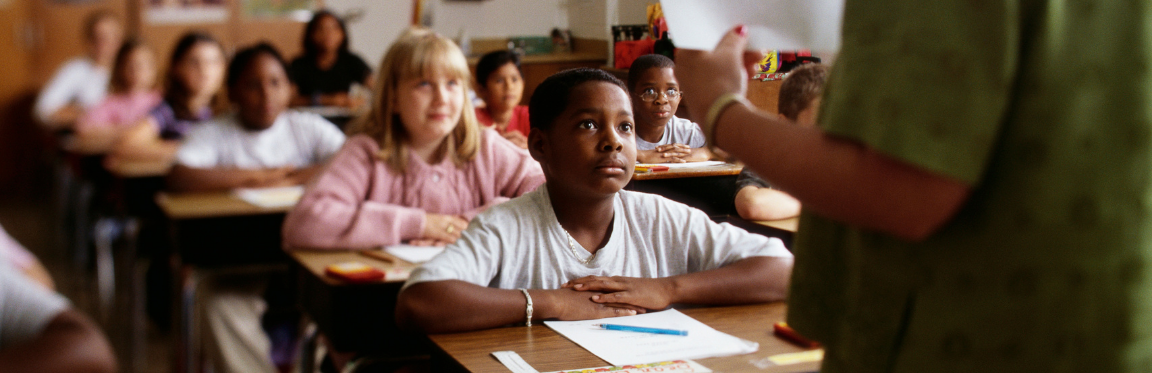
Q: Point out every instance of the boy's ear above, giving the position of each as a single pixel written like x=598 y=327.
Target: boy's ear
x=538 y=145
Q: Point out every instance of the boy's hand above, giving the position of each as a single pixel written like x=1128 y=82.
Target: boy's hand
x=646 y=293
x=273 y=177
x=671 y=153
x=516 y=138
x=444 y=228
x=568 y=304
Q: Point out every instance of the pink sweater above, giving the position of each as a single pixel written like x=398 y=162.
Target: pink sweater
x=359 y=202
x=119 y=111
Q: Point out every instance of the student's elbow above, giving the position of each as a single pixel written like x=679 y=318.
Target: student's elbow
x=88 y=349
x=779 y=275
x=414 y=311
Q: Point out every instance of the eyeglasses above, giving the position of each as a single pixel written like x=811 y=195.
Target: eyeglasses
x=650 y=94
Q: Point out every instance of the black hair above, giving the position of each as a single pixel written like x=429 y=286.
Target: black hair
x=246 y=56
x=175 y=91
x=310 y=50
x=645 y=63
x=551 y=96
x=492 y=61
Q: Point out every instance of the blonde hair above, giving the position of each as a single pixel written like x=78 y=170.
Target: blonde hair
x=416 y=53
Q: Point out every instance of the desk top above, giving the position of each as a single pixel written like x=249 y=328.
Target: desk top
x=789 y=224
x=136 y=169
x=315 y=261
x=726 y=169
x=546 y=350
x=179 y=206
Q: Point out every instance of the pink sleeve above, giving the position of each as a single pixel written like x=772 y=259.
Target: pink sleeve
x=336 y=212
x=14 y=253
x=513 y=170
x=98 y=116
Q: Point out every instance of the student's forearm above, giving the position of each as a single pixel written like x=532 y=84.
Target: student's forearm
x=841 y=179
x=70 y=343
x=699 y=155
x=94 y=141
x=452 y=306
x=752 y=280
x=754 y=203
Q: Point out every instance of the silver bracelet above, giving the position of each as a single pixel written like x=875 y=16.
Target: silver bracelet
x=527 y=310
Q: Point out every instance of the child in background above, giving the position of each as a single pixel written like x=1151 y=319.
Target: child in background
x=132 y=93
x=418 y=167
x=195 y=73
x=798 y=102
x=325 y=73
x=83 y=81
x=261 y=145
x=563 y=241
x=501 y=88
x=661 y=137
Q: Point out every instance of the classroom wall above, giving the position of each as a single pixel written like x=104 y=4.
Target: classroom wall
x=381 y=22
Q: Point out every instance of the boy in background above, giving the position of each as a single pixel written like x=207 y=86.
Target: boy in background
x=661 y=137
x=798 y=102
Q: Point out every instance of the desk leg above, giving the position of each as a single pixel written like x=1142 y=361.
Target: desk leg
x=188 y=341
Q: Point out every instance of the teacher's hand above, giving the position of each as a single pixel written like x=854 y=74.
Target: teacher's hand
x=705 y=76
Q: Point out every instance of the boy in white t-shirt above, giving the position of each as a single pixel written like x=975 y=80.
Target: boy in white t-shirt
x=262 y=145
x=661 y=137
x=580 y=247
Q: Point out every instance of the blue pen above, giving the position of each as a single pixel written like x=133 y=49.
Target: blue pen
x=641 y=329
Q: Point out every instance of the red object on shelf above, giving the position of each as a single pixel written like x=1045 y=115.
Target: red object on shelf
x=629 y=51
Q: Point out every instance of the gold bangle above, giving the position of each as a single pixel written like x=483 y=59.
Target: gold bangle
x=717 y=108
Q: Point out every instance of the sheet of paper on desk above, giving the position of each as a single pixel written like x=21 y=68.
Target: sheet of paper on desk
x=678 y=366
x=271 y=197
x=772 y=24
x=414 y=254
x=623 y=347
x=675 y=166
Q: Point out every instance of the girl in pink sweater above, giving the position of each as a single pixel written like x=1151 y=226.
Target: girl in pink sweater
x=417 y=168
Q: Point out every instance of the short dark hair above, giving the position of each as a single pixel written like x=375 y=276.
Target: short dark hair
x=492 y=61
x=802 y=85
x=310 y=49
x=645 y=63
x=248 y=55
x=551 y=96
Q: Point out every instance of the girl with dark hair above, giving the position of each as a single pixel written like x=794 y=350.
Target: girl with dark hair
x=325 y=73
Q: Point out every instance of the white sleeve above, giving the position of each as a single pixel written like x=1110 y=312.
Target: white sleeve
x=696 y=135
x=328 y=139
x=200 y=148
x=710 y=245
x=59 y=91
x=474 y=258
x=25 y=307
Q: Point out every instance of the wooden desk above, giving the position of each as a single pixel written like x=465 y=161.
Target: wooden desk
x=183 y=206
x=138 y=169
x=354 y=317
x=546 y=350
x=789 y=224
x=711 y=189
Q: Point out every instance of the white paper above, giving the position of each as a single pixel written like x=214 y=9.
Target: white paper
x=624 y=347
x=271 y=197
x=772 y=24
x=677 y=366
x=414 y=254
x=514 y=362
x=675 y=166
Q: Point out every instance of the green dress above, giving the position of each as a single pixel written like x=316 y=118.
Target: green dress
x=1044 y=108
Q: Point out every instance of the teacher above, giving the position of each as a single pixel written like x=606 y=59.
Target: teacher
x=977 y=198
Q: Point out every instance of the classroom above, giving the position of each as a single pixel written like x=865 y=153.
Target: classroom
x=218 y=186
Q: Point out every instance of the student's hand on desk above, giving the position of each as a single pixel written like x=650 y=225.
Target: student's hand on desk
x=671 y=153
x=646 y=293
x=273 y=177
x=569 y=304
x=444 y=228
x=516 y=138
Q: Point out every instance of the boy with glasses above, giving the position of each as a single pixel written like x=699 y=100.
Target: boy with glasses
x=661 y=137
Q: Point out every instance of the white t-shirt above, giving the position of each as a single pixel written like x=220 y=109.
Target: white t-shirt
x=520 y=244
x=79 y=80
x=25 y=307
x=295 y=139
x=678 y=131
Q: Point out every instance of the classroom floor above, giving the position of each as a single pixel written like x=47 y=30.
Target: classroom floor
x=29 y=219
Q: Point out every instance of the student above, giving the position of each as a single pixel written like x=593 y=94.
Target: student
x=661 y=137
x=581 y=246
x=40 y=332
x=418 y=167
x=985 y=216
x=262 y=144
x=195 y=73
x=82 y=82
x=501 y=87
x=798 y=102
x=14 y=254
x=326 y=71
x=132 y=94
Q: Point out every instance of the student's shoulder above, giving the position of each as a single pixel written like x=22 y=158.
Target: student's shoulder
x=306 y=120
x=683 y=123
x=525 y=207
x=648 y=206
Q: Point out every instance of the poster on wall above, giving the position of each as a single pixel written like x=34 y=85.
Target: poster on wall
x=297 y=10
x=185 y=11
